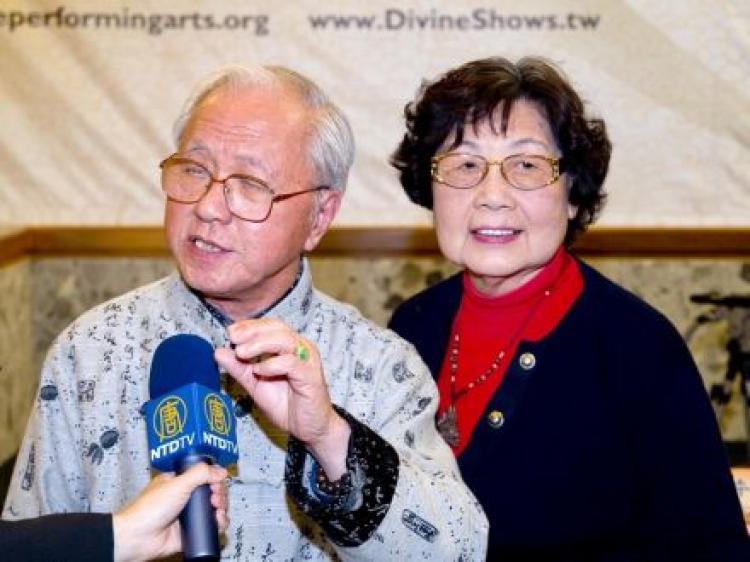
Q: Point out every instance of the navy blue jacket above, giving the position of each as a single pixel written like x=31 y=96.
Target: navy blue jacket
x=58 y=538
x=609 y=448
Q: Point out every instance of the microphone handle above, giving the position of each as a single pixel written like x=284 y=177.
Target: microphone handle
x=200 y=533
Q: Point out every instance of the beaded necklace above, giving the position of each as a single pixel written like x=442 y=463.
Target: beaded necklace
x=447 y=422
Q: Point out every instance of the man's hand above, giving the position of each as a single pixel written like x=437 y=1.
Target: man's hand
x=283 y=374
x=148 y=527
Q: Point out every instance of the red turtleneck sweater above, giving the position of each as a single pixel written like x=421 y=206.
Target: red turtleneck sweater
x=486 y=325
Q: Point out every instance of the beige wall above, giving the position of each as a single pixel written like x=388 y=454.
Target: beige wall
x=18 y=375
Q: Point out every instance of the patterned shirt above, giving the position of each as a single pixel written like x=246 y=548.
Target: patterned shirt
x=85 y=447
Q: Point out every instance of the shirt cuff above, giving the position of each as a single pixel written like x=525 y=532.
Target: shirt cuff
x=350 y=517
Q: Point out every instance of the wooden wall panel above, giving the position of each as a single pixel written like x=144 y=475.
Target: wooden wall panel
x=600 y=242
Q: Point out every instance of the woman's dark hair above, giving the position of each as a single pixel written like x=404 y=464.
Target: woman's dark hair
x=471 y=93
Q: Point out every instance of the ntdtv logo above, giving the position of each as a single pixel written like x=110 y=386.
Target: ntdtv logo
x=192 y=419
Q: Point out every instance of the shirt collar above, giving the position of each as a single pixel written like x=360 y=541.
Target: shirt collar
x=292 y=307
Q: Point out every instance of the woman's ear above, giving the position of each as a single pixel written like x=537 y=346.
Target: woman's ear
x=572 y=209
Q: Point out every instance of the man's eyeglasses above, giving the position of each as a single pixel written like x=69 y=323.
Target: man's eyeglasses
x=249 y=198
x=522 y=171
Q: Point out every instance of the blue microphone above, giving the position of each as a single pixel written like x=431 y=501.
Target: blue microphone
x=188 y=420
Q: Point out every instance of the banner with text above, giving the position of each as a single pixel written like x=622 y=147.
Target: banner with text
x=90 y=89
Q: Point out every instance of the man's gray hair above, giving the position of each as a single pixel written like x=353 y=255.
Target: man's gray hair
x=331 y=147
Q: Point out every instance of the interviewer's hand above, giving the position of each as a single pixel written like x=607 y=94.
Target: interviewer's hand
x=283 y=374
x=148 y=527
x=742 y=483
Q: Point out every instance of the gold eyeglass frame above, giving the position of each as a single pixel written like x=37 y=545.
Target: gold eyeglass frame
x=435 y=161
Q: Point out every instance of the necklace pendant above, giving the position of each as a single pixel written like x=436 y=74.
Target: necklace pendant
x=448 y=427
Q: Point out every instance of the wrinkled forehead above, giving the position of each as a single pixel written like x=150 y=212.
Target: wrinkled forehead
x=497 y=119
x=256 y=131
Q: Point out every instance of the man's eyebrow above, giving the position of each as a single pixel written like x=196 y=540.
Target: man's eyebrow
x=247 y=159
x=198 y=148
x=252 y=160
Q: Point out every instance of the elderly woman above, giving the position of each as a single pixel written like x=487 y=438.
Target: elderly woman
x=575 y=410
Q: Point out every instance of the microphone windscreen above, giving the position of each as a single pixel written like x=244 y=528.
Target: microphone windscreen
x=182 y=359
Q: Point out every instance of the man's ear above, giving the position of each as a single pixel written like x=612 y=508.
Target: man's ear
x=327 y=206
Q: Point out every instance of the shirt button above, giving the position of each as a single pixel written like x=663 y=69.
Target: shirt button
x=496 y=419
x=527 y=361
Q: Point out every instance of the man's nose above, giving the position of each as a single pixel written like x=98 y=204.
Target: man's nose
x=213 y=206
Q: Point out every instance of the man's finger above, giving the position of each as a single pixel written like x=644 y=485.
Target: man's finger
x=227 y=359
x=286 y=365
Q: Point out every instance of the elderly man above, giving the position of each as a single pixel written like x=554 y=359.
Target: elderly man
x=261 y=164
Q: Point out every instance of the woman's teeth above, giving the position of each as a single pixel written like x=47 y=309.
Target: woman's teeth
x=495 y=231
